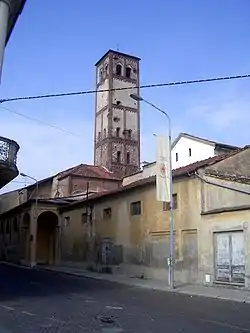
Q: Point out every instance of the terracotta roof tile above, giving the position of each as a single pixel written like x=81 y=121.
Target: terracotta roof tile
x=186 y=170
x=91 y=171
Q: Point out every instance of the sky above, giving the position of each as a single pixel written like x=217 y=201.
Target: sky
x=55 y=45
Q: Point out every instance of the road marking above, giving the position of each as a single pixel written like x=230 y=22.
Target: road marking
x=219 y=323
x=28 y=313
x=114 y=307
x=7 y=307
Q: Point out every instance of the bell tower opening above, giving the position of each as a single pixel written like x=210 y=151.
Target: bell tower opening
x=117 y=115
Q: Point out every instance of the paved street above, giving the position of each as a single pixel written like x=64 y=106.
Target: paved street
x=39 y=301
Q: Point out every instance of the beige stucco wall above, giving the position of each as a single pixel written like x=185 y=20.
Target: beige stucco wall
x=219 y=195
x=229 y=221
x=144 y=238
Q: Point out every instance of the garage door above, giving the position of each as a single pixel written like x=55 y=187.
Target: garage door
x=230 y=257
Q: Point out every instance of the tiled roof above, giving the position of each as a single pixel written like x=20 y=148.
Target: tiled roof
x=91 y=171
x=183 y=171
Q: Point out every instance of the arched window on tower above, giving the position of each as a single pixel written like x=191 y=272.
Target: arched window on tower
x=100 y=76
x=128 y=72
x=118 y=132
x=104 y=133
x=106 y=69
x=118 y=69
x=128 y=158
x=118 y=155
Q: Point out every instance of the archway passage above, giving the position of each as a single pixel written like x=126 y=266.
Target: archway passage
x=46 y=238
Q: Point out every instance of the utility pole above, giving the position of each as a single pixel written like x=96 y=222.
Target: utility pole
x=4 y=18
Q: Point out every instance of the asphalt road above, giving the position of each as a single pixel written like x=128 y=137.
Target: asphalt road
x=39 y=301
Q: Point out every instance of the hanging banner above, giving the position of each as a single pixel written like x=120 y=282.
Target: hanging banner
x=162 y=169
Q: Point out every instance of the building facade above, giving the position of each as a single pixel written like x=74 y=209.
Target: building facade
x=117 y=115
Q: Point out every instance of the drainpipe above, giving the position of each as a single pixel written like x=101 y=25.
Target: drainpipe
x=220 y=185
x=4 y=17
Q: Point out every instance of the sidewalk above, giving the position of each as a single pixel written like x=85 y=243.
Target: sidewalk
x=219 y=292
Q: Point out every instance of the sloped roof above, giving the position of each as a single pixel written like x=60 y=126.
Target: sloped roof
x=91 y=171
x=187 y=170
x=197 y=138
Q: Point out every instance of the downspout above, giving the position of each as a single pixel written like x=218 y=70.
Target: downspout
x=220 y=185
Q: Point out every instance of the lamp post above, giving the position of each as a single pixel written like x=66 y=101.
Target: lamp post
x=138 y=98
x=36 y=204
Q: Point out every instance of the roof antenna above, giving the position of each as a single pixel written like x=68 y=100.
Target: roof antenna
x=118 y=47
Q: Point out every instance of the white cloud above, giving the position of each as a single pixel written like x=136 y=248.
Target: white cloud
x=223 y=115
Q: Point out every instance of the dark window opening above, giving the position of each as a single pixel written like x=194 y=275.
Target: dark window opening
x=118 y=154
x=190 y=152
x=106 y=69
x=104 y=133
x=99 y=135
x=176 y=157
x=118 y=102
x=107 y=212
x=128 y=72
x=118 y=69
x=118 y=131
x=66 y=221
x=135 y=208
x=100 y=75
x=84 y=218
x=166 y=205
x=129 y=133
x=128 y=158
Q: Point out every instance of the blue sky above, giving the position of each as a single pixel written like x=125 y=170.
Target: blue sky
x=54 y=48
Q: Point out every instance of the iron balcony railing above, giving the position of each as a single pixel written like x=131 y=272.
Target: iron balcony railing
x=8 y=151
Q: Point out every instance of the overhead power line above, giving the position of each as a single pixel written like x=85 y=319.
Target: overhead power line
x=157 y=85
x=41 y=122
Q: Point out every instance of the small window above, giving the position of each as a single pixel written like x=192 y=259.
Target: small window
x=118 y=157
x=190 y=152
x=99 y=136
x=128 y=158
x=129 y=133
x=66 y=221
x=128 y=72
x=118 y=131
x=176 y=157
x=84 y=218
x=104 y=133
x=118 y=102
x=118 y=69
x=106 y=68
x=166 y=205
x=107 y=212
x=135 y=208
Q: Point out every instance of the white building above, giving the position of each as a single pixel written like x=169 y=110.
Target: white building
x=186 y=149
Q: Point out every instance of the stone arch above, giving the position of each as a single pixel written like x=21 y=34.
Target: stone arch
x=46 y=238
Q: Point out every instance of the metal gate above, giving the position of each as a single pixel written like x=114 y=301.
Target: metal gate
x=229 y=257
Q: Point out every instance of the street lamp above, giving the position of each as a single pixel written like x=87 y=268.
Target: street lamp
x=24 y=175
x=138 y=98
x=36 y=202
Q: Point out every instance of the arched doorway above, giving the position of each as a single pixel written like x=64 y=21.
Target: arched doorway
x=47 y=223
x=25 y=238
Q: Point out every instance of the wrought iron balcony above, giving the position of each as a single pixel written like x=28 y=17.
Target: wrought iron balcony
x=8 y=157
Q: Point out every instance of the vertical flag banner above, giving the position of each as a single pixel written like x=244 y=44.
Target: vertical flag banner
x=162 y=169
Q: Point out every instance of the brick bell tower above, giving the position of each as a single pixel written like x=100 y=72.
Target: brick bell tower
x=117 y=115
